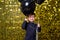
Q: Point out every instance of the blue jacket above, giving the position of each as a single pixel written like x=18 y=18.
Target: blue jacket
x=30 y=30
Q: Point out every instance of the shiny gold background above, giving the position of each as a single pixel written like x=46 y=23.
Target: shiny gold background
x=11 y=19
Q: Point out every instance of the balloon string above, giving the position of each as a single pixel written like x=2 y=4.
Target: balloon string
x=37 y=27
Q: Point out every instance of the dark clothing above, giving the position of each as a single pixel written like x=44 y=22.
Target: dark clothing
x=30 y=30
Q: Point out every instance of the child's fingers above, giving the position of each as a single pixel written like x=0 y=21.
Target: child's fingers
x=25 y=19
x=38 y=25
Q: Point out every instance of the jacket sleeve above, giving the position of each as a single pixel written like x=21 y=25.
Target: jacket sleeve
x=24 y=25
x=39 y=29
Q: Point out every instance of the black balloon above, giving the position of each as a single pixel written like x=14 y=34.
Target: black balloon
x=39 y=1
x=28 y=6
x=36 y=1
x=26 y=0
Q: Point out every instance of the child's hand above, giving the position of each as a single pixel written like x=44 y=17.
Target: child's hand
x=38 y=25
x=26 y=19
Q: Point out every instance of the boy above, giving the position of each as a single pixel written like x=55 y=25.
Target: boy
x=30 y=27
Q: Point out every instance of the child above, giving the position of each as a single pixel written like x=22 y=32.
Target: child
x=30 y=27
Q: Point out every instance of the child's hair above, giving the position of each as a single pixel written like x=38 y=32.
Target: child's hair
x=31 y=14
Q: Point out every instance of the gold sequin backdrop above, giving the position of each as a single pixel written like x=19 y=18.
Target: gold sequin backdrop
x=11 y=19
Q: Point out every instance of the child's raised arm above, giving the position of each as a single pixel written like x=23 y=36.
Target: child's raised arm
x=24 y=25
